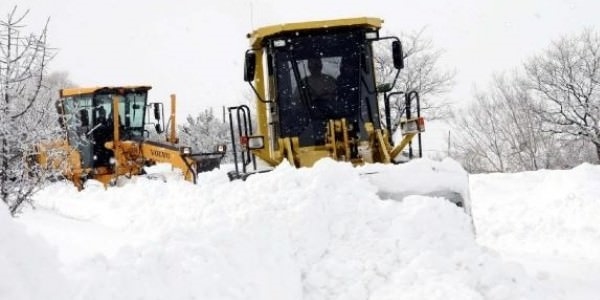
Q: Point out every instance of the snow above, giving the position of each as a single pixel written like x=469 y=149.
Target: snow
x=327 y=232
x=546 y=221
x=28 y=265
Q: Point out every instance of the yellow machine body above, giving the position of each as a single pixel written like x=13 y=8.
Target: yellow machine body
x=352 y=129
x=318 y=96
x=106 y=136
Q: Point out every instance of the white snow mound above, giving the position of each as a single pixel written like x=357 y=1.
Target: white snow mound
x=29 y=268
x=311 y=233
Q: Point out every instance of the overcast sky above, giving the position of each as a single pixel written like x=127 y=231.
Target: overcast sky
x=195 y=48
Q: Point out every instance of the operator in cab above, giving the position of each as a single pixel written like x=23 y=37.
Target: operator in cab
x=318 y=92
x=320 y=86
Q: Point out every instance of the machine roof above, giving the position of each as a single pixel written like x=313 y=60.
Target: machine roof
x=77 y=91
x=257 y=36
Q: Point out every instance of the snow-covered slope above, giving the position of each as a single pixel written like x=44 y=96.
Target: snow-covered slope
x=29 y=268
x=319 y=233
x=547 y=221
x=543 y=212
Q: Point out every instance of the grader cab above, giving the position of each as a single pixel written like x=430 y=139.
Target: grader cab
x=317 y=96
x=107 y=136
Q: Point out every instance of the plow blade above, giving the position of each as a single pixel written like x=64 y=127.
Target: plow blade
x=443 y=179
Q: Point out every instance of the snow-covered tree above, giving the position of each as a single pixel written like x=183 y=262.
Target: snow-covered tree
x=422 y=73
x=498 y=132
x=565 y=80
x=501 y=132
x=24 y=108
x=204 y=132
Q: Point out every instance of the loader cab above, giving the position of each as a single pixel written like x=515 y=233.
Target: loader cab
x=343 y=89
x=88 y=117
x=292 y=106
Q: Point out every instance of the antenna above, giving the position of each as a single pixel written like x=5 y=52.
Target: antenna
x=251 y=15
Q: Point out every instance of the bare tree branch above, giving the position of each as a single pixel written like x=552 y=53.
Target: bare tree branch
x=503 y=131
x=27 y=116
x=422 y=73
x=565 y=79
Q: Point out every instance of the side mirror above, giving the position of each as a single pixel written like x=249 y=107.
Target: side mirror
x=249 y=66
x=84 y=117
x=398 y=55
x=158 y=129
x=156 y=107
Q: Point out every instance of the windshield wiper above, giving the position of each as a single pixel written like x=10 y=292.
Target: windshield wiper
x=303 y=89
x=93 y=129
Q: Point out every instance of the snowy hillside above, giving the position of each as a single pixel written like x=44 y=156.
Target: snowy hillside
x=328 y=232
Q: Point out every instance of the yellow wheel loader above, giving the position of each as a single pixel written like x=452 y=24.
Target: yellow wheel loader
x=317 y=97
x=107 y=136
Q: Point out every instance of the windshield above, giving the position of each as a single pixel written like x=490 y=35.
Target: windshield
x=318 y=79
x=131 y=112
x=89 y=123
x=77 y=110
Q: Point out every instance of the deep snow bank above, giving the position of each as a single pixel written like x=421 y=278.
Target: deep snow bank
x=29 y=268
x=551 y=212
x=319 y=233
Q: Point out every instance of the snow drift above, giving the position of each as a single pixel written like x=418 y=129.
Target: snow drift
x=29 y=268
x=318 y=233
x=556 y=212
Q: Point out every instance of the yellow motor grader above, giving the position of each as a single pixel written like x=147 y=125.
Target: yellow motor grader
x=107 y=136
x=317 y=97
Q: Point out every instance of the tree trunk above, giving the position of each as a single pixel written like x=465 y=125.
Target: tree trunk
x=597 y=151
x=4 y=172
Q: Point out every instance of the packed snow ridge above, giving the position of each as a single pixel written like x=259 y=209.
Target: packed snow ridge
x=326 y=232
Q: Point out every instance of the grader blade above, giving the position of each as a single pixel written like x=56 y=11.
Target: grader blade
x=445 y=179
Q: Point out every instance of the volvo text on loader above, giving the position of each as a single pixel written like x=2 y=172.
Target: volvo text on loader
x=336 y=114
x=106 y=136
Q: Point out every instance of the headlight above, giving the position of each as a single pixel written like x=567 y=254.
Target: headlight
x=221 y=148
x=256 y=142
x=278 y=43
x=371 y=35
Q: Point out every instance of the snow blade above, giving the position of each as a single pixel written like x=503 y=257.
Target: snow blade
x=444 y=179
x=452 y=196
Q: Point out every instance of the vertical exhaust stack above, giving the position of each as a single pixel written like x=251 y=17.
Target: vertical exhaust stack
x=173 y=130
x=116 y=122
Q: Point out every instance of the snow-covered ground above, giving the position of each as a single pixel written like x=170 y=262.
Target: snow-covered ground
x=547 y=221
x=328 y=232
